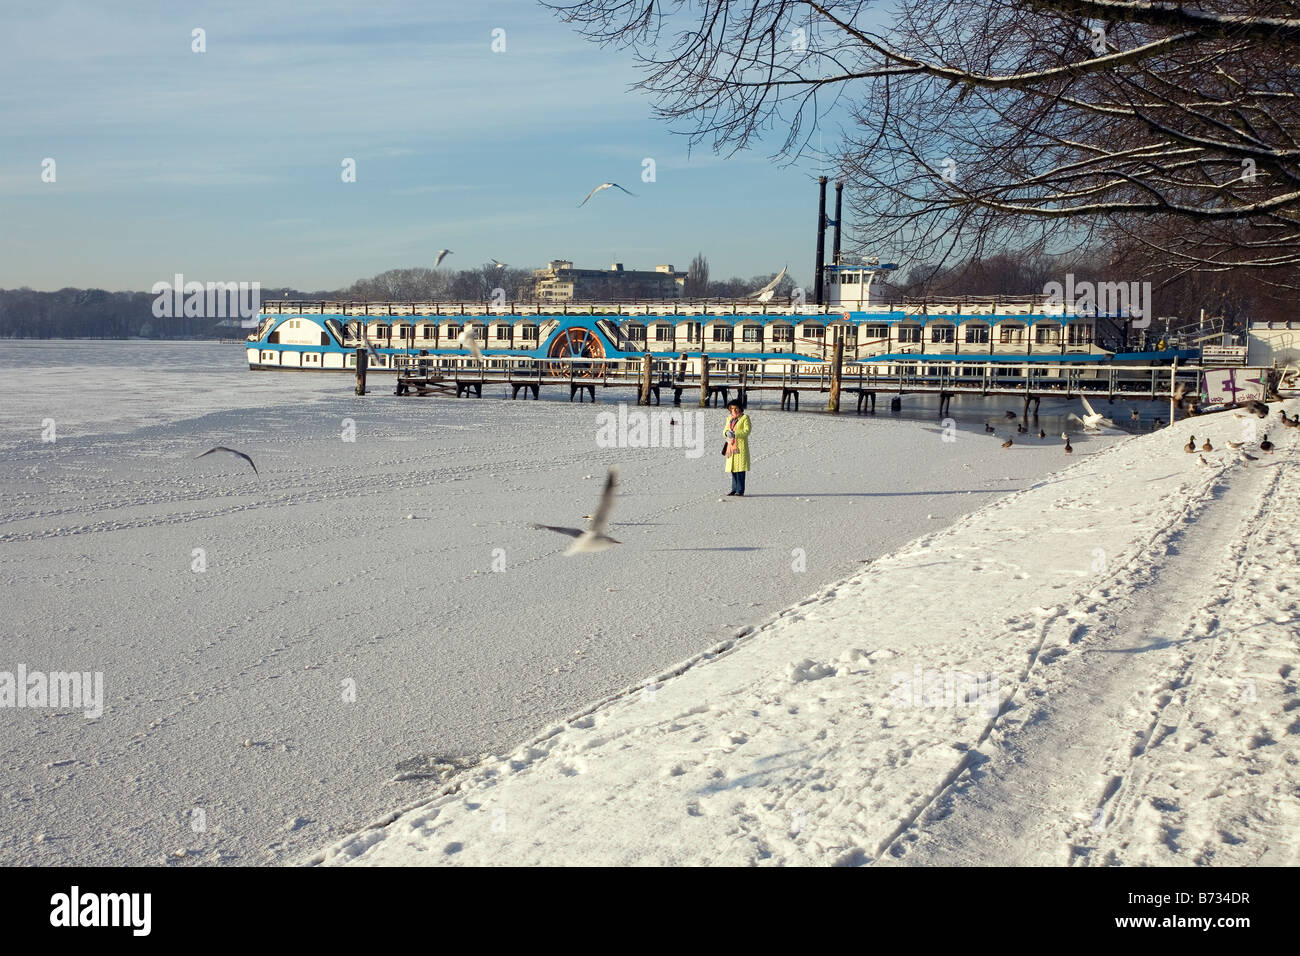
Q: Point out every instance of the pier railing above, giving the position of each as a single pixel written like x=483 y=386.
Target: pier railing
x=971 y=378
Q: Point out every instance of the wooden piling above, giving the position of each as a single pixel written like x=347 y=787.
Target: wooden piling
x=704 y=380
x=837 y=368
x=362 y=357
x=645 y=380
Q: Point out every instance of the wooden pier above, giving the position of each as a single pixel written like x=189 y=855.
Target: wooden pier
x=650 y=380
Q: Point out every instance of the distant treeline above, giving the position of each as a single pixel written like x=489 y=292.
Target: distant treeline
x=85 y=313
x=98 y=314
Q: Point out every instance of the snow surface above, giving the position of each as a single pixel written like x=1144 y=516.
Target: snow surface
x=367 y=565
x=1136 y=612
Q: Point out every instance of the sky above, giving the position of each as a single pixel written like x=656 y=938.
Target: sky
x=227 y=165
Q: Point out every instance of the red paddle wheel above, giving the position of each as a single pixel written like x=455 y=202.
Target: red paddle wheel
x=577 y=343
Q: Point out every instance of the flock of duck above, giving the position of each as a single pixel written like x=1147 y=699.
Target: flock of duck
x=1021 y=429
x=1259 y=410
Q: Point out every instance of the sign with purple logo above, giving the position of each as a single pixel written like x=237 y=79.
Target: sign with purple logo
x=1231 y=386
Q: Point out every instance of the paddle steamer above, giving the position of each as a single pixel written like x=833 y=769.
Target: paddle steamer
x=897 y=336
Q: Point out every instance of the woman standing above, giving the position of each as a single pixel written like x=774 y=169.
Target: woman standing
x=737 y=448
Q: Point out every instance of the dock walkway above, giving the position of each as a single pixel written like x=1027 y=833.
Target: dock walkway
x=717 y=382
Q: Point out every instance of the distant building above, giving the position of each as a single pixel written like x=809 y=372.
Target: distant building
x=560 y=282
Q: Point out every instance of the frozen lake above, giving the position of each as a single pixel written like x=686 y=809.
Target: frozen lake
x=277 y=649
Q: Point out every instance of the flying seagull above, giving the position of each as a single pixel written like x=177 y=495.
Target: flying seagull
x=599 y=188
x=232 y=451
x=1091 y=418
x=468 y=340
x=499 y=265
x=442 y=254
x=594 y=538
x=765 y=294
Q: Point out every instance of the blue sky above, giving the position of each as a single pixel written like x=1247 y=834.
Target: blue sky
x=225 y=165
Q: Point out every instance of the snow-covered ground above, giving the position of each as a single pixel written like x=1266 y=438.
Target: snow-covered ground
x=1098 y=669
x=288 y=656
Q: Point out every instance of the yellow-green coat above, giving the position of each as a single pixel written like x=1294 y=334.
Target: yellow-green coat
x=740 y=460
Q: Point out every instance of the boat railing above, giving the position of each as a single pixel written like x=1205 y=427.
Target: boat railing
x=941 y=305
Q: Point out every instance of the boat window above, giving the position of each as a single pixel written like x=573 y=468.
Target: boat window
x=1079 y=333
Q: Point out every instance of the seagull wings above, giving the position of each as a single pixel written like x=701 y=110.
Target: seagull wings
x=599 y=188
x=468 y=340
x=769 y=288
x=594 y=538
